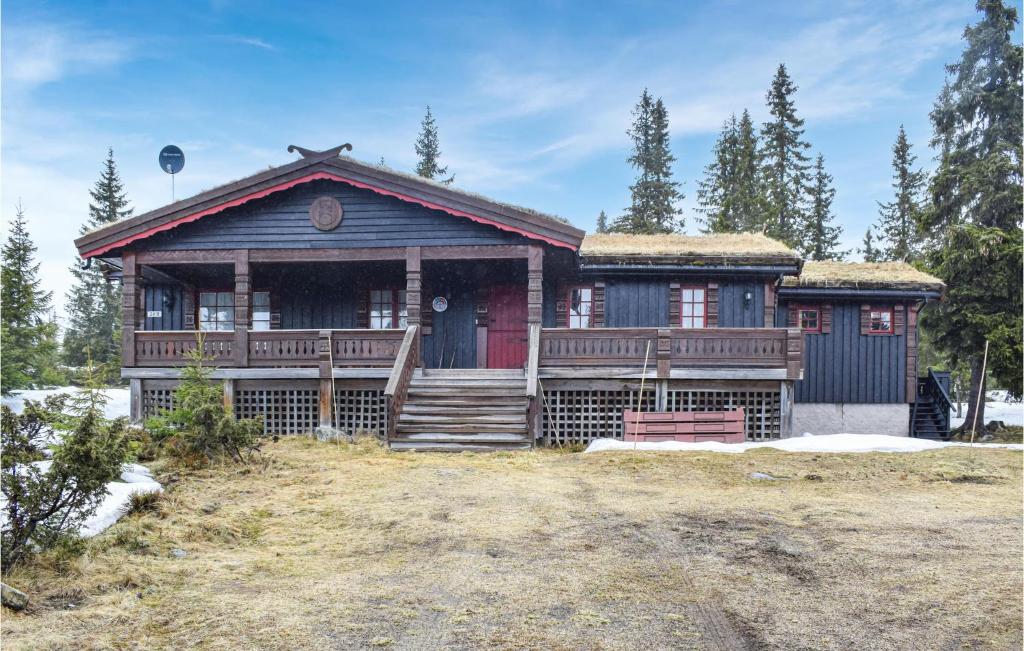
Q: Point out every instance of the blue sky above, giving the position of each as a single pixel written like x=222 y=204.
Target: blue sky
x=532 y=98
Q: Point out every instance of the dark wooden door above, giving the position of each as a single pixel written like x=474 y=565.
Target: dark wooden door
x=506 y=328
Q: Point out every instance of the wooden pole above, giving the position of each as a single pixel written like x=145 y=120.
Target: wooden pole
x=640 y=396
x=981 y=393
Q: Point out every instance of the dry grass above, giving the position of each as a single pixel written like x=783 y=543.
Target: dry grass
x=732 y=245
x=353 y=547
x=863 y=275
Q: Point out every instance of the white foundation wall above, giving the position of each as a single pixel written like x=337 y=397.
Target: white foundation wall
x=839 y=418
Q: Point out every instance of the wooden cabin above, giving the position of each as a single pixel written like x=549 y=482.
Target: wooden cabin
x=336 y=295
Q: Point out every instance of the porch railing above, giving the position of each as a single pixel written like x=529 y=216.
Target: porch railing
x=272 y=348
x=673 y=348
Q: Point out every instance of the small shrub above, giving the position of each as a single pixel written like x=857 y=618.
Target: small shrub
x=143 y=503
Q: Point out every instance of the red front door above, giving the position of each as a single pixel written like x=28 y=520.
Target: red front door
x=506 y=331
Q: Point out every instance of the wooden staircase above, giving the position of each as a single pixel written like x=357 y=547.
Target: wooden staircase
x=455 y=410
x=931 y=410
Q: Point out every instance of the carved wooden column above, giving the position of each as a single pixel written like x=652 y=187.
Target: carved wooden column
x=131 y=288
x=326 y=367
x=413 y=285
x=535 y=284
x=242 y=285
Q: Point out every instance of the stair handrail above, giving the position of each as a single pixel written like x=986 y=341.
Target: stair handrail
x=940 y=397
x=401 y=374
x=533 y=360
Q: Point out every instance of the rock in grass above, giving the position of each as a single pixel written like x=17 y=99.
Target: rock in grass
x=13 y=598
x=179 y=553
x=761 y=476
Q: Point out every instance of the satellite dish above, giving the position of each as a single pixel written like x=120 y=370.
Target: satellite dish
x=172 y=159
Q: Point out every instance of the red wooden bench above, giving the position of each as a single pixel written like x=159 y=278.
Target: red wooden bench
x=689 y=426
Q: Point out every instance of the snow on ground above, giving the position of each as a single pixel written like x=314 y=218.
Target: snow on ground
x=117 y=406
x=806 y=443
x=134 y=478
x=1008 y=412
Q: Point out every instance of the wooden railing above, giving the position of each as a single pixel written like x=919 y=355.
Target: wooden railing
x=401 y=374
x=272 y=348
x=674 y=348
x=168 y=347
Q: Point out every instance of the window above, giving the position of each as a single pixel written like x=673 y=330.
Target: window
x=581 y=307
x=388 y=309
x=810 y=319
x=880 y=321
x=261 y=310
x=216 y=310
x=693 y=307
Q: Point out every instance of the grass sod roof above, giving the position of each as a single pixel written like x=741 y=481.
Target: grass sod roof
x=864 y=275
x=751 y=248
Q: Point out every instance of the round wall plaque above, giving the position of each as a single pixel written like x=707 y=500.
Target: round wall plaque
x=440 y=304
x=325 y=213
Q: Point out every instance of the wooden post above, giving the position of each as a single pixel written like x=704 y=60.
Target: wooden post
x=242 y=282
x=135 y=397
x=664 y=353
x=326 y=380
x=769 y=304
x=413 y=285
x=794 y=354
x=786 y=409
x=229 y=396
x=130 y=286
x=535 y=284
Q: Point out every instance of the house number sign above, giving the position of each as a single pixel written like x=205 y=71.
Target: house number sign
x=440 y=304
x=325 y=213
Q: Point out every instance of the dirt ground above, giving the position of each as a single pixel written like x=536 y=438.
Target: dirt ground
x=327 y=546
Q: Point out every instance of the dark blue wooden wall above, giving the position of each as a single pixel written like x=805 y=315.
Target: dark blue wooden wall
x=848 y=367
x=733 y=312
x=166 y=299
x=370 y=220
x=645 y=303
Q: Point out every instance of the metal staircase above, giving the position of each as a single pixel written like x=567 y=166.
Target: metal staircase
x=929 y=418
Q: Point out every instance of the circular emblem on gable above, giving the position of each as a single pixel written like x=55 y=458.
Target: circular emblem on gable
x=325 y=213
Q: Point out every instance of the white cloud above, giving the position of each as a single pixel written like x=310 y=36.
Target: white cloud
x=247 y=40
x=39 y=53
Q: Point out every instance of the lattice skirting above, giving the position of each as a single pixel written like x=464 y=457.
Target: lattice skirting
x=571 y=414
x=582 y=415
x=763 y=409
x=155 y=401
x=360 y=411
x=284 y=411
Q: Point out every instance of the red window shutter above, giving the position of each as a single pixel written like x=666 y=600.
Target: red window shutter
x=674 y=301
x=898 y=320
x=599 y=304
x=825 y=314
x=712 y=296
x=562 y=307
x=865 y=319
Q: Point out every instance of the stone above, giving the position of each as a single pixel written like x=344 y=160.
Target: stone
x=761 y=476
x=12 y=597
x=211 y=507
x=179 y=553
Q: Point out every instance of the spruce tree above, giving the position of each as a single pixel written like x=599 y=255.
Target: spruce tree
x=654 y=193
x=716 y=192
x=819 y=238
x=747 y=200
x=428 y=148
x=93 y=304
x=602 y=223
x=898 y=218
x=868 y=249
x=28 y=333
x=974 y=220
x=784 y=168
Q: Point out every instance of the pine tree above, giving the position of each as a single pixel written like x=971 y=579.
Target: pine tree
x=716 y=192
x=868 y=249
x=898 y=218
x=602 y=223
x=654 y=193
x=819 y=238
x=428 y=148
x=93 y=304
x=28 y=334
x=974 y=220
x=784 y=168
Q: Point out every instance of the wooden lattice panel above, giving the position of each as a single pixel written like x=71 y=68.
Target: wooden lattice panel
x=284 y=411
x=580 y=416
x=155 y=401
x=360 y=411
x=763 y=408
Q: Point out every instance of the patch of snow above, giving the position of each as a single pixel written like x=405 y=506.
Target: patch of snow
x=1008 y=412
x=806 y=443
x=135 y=480
x=119 y=399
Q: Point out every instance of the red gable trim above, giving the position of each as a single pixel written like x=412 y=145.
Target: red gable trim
x=306 y=179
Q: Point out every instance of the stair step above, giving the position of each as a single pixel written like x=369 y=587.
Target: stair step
x=406 y=418
x=462 y=373
x=402 y=446
x=444 y=437
x=460 y=428
x=465 y=407
x=511 y=392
